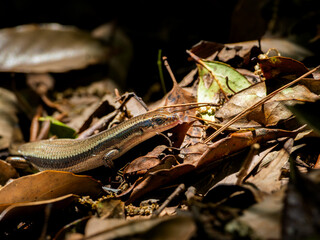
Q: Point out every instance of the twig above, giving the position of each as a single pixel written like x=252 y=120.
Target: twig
x=166 y=64
x=34 y=128
x=44 y=131
x=52 y=104
x=227 y=82
x=262 y=101
x=192 y=105
x=176 y=192
x=214 y=124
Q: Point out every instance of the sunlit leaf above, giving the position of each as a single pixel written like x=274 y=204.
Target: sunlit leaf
x=48 y=48
x=226 y=81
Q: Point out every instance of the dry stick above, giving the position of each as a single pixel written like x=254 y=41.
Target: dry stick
x=198 y=60
x=262 y=101
x=190 y=105
x=176 y=192
x=165 y=62
x=175 y=83
x=34 y=129
x=44 y=131
x=214 y=124
x=51 y=104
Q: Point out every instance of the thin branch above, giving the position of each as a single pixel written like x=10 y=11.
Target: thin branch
x=176 y=192
x=190 y=105
x=166 y=64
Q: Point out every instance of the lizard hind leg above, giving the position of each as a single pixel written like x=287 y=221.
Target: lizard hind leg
x=109 y=156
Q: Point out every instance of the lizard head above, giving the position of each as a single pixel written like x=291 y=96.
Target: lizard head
x=162 y=120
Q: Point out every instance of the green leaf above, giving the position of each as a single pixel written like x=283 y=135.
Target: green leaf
x=230 y=80
x=58 y=128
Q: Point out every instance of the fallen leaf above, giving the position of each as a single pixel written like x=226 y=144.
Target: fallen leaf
x=272 y=111
x=174 y=227
x=201 y=156
x=48 y=48
x=111 y=208
x=284 y=46
x=179 y=95
x=46 y=185
x=146 y=162
x=9 y=132
x=226 y=80
x=264 y=218
x=155 y=180
x=22 y=210
x=236 y=142
x=268 y=178
x=205 y=49
x=277 y=66
x=7 y=172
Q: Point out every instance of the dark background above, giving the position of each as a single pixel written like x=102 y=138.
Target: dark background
x=173 y=26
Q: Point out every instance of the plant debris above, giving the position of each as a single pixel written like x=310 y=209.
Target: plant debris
x=242 y=162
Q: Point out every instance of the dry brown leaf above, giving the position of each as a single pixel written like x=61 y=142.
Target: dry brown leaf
x=268 y=179
x=86 y=104
x=273 y=110
x=281 y=67
x=201 y=156
x=236 y=142
x=155 y=180
x=264 y=218
x=144 y=163
x=7 y=172
x=179 y=95
x=46 y=185
x=284 y=46
x=9 y=132
x=48 y=48
x=111 y=208
x=26 y=209
x=173 y=227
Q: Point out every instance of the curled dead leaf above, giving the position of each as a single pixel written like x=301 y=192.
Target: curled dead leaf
x=18 y=210
x=48 y=48
x=7 y=172
x=146 y=162
x=46 y=185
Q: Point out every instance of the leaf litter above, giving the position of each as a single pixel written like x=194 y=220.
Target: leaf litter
x=236 y=184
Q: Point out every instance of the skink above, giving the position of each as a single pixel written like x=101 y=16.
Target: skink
x=78 y=155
